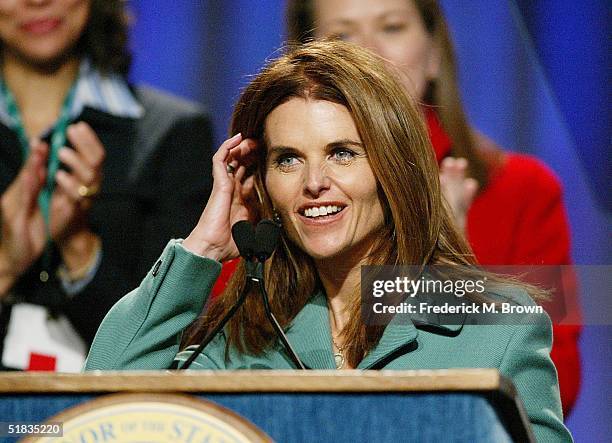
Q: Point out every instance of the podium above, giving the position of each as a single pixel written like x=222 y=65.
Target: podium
x=462 y=405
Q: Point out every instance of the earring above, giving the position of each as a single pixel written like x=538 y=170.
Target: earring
x=276 y=218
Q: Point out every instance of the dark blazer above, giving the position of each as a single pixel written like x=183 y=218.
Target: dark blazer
x=157 y=178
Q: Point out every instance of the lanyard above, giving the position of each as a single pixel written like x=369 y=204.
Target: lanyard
x=57 y=141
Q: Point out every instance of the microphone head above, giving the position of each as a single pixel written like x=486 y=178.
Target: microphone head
x=243 y=234
x=267 y=235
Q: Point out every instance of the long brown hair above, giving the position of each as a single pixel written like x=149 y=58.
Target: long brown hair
x=442 y=94
x=418 y=229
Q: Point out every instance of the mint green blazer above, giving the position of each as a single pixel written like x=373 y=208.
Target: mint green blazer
x=142 y=332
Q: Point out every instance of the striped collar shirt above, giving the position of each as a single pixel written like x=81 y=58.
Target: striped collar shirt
x=107 y=93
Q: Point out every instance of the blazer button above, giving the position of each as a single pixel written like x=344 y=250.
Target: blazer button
x=156 y=268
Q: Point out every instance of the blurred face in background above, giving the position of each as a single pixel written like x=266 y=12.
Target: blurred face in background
x=319 y=179
x=393 y=29
x=41 y=32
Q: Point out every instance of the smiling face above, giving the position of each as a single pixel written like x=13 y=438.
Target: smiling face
x=41 y=32
x=393 y=29
x=320 y=181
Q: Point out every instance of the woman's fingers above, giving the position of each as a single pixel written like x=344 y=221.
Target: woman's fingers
x=222 y=176
x=85 y=162
x=242 y=199
x=39 y=152
x=82 y=171
x=31 y=179
x=454 y=168
x=243 y=153
x=470 y=187
x=221 y=156
x=217 y=207
x=231 y=155
x=87 y=144
x=247 y=187
x=458 y=189
x=29 y=187
x=68 y=184
x=239 y=174
x=243 y=185
x=23 y=230
x=238 y=178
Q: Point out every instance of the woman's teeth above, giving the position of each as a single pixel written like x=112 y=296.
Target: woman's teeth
x=321 y=211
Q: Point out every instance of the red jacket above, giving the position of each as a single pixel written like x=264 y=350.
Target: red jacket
x=520 y=219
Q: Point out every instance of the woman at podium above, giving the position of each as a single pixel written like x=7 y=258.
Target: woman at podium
x=329 y=147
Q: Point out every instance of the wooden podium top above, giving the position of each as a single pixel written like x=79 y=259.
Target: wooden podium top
x=489 y=383
x=258 y=381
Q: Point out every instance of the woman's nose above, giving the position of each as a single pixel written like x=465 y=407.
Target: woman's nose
x=316 y=180
x=366 y=38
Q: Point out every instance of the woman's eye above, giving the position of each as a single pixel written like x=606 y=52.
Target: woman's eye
x=343 y=155
x=345 y=36
x=286 y=161
x=393 y=27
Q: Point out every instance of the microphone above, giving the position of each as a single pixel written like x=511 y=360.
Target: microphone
x=258 y=244
x=243 y=234
x=267 y=235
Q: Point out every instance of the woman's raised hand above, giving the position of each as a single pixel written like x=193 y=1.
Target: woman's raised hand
x=75 y=189
x=73 y=196
x=228 y=202
x=457 y=188
x=23 y=235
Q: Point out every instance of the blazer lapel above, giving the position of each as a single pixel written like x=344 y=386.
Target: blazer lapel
x=310 y=335
x=400 y=336
x=443 y=324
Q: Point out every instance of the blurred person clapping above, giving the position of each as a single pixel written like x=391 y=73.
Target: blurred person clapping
x=88 y=175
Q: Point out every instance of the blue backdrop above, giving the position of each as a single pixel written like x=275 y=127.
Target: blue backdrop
x=535 y=77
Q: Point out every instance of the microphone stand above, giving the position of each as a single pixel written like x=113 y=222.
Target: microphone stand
x=275 y=325
x=265 y=239
x=250 y=266
x=254 y=275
